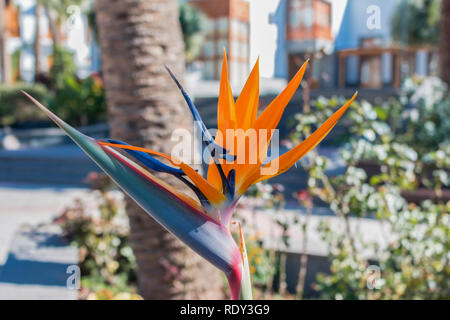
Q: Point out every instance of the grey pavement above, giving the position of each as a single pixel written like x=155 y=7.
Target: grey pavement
x=33 y=256
x=264 y=223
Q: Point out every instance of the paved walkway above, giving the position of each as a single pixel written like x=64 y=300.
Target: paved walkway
x=33 y=257
x=264 y=222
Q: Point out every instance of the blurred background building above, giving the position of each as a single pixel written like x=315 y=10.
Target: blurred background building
x=369 y=56
x=227 y=26
x=29 y=37
x=351 y=42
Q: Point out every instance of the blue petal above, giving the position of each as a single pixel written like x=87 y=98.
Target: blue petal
x=232 y=182
x=148 y=160
x=220 y=151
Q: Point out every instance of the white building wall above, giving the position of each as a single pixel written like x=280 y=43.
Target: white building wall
x=263 y=36
x=266 y=19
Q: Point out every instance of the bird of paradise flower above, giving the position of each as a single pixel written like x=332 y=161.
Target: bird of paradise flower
x=204 y=224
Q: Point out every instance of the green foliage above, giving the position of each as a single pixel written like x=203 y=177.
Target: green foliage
x=389 y=139
x=426 y=120
x=261 y=261
x=15 y=108
x=421 y=19
x=413 y=266
x=80 y=101
x=58 y=8
x=265 y=195
x=191 y=22
x=106 y=260
x=15 y=64
x=63 y=67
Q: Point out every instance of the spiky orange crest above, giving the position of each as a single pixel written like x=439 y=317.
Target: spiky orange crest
x=236 y=120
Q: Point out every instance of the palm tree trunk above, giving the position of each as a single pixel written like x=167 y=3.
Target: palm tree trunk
x=3 y=54
x=52 y=24
x=137 y=38
x=445 y=41
x=37 y=42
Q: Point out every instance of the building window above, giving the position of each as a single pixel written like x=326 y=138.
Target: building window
x=219 y=68
x=222 y=26
x=323 y=19
x=307 y=17
x=244 y=50
x=244 y=29
x=235 y=49
x=244 y=70
x=234 y=72
x=235 y=27
x=208 y=70
x=208 y=26
x=208 y=49
x=294 y=19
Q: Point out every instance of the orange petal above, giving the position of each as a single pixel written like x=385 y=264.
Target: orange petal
x=246 y=110
x=210 y=192
x=247 y=102
x=268 y=120
x=288 y=159
x=226 y=111
x=226 y=119
x=271 y=115
x=213 y=176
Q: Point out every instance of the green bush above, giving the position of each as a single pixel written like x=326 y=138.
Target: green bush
x=107 y=262
x=191 y=22
x=425 y=121
x=62 y=68
x=15 y=107
x=407 y=138
x=80 y=101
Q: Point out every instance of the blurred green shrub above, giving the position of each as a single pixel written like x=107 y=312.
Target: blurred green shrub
x=425 y=120
x=106 y=294
x=80 y=101
x=77 y=101
x=191 y=22
x=414 y=262
x=63 y=67
x=417 y=22
x=107 y=263
x=262 y=263
x=15 y=108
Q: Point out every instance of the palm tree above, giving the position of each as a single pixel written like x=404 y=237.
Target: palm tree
x=445 y=41
x=416 y=23
x=3 y=36
x=37 y=41
x=57 y=13
x=191 y=21
x=137 y=38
